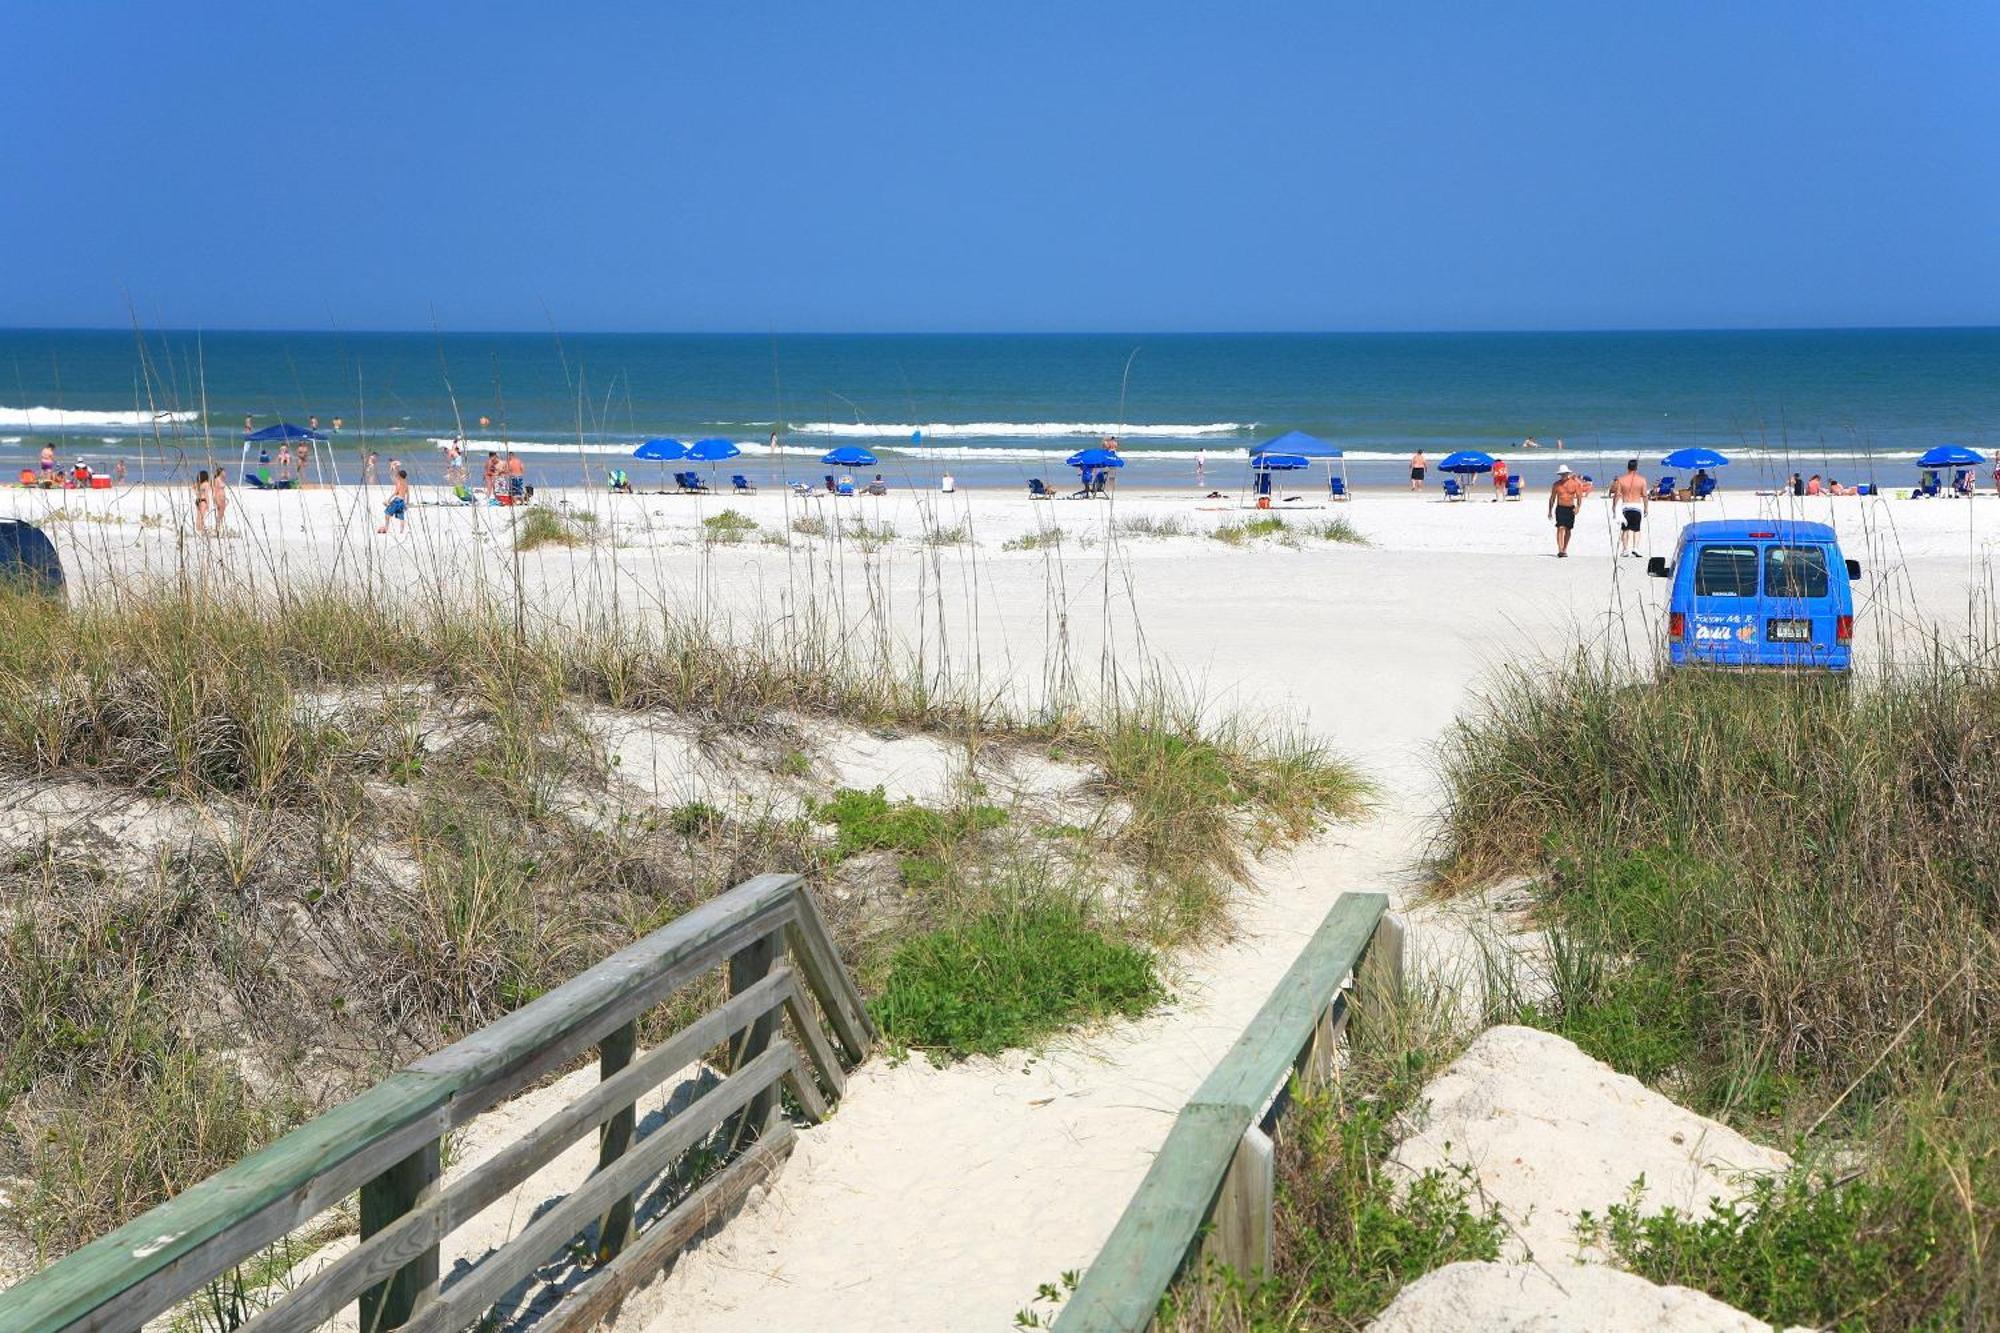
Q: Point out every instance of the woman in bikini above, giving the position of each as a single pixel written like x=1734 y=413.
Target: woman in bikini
x=201 y=502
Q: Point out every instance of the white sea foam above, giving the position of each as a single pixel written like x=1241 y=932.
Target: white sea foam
x=1016 y=430
x=55 y=418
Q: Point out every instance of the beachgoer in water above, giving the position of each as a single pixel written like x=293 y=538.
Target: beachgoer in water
x=218 y=497
x=248 y=426
x=398 y=507
x=1564 y=497
x=368 y=469
x=1631 y=494
x=201 y=502
x=1418 y=466
x=1201 y=467
x=1499 y=480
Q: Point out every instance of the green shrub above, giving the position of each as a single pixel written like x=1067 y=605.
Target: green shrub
x=535 y=527
x=1010 y=979
x=869 y=821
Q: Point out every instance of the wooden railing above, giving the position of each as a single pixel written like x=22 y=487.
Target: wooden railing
x=385 y=1143
x=1209 y=1191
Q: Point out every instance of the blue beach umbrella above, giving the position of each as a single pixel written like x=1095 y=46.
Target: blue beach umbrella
x=1094 y=458
x=715 y=449
x=1951 y=455
x=1467 y=461
x=1694 y=458
x=661 y=450
x=848 y=455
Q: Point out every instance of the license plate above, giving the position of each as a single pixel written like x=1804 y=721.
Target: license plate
x=1791 y=631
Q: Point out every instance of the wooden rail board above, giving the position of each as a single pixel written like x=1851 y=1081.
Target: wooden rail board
x=1122 y=1287
x=143 y=1268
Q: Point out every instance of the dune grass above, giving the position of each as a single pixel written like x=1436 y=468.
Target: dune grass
x=381 y=852
x=1776 y=899
x=535 y=528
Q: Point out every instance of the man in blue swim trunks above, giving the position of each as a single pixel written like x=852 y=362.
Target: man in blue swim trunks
x=398 y=508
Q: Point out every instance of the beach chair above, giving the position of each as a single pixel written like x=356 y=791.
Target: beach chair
x=1264 y=484
x=1704 y=488
x=1513 y=486
x=1665 y=490
x=1336 y=488
x=1961 y=484
x=1930 y=484
x=742 y=484
x=1865 y=488
x=1452 y=490
x=1038 y=490
x=844 y=487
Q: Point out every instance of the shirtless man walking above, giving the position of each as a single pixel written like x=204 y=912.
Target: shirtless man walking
x=1630 y=494
x=1564 y=497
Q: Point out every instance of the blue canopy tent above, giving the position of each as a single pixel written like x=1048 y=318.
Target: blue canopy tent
x=1091 y=464
x=1308 y=449
x=284 y=435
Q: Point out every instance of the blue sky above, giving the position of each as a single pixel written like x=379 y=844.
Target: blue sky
x=1042 y=166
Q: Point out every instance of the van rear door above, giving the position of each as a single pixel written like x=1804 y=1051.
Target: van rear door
x=1797 y=612
x=1722 y=627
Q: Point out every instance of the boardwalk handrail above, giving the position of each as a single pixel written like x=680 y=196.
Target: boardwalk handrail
x=1216 y=1164
x=385 y=1142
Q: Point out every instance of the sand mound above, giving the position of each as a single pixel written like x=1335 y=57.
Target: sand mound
x=1566 y=1298
x=1550 y=1133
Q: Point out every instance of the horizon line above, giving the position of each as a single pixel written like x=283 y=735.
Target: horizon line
x=1011 y=333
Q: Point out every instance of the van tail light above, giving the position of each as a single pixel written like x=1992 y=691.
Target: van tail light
x=1677 y=624
x=1843 y=629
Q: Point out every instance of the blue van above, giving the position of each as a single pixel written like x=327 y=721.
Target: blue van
x=1759 y=593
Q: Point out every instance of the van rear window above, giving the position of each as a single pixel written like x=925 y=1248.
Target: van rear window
x=1726 y=571
x=1795 y=571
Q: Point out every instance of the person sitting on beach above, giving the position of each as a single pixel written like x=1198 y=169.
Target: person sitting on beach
x=1798 y=484
x=1833 y=487
x=878 y=486
x=1813 y=486
x=398 y=507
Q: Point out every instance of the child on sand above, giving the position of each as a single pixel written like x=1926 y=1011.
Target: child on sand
x=398 y=508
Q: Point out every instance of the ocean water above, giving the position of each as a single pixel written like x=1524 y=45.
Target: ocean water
x=996 y=408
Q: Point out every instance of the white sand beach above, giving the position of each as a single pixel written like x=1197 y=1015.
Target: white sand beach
x=947 y=1195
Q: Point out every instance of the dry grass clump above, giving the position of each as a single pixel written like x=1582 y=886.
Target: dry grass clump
x=1779 y=898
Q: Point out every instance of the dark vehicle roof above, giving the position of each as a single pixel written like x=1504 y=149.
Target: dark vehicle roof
x=1742 y=529
x=26 y=550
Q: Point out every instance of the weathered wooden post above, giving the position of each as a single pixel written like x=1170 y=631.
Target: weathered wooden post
x=1243 y=1222
x=390 y=1303
x=613 y=1054
x=748 y=966
x=1378 y=981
